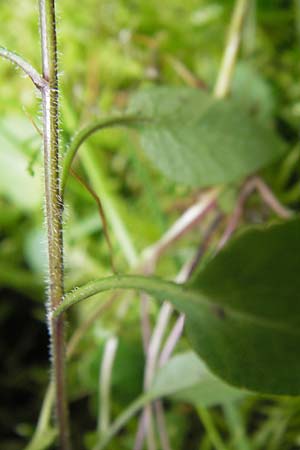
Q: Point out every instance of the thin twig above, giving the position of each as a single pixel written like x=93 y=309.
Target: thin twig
x=101 y=213
x=172 y=340
x=237 y=213
x=140 y=435
x=205 y=242
x=161 y=424
x=145 y=430
x=181 y=226
x=191 y=217
x=144 y=310
x=145 y=321
x=189 y=78
x=177 y=329
x=231 y=50
x=187 y=220
x=149 y=427
x=32 y=121
x=105 y=384
x=155 y=342
x=268 y=197
x=161 y=327
x=119 y=423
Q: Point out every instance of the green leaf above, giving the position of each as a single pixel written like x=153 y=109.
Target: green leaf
x=181 y=373
x=252 y=92
x=199 y=141
x=250 y=334
x=242 y=311
x=186 y=378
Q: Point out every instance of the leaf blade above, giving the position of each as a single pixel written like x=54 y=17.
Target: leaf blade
x=247 y=335
x=197 y=140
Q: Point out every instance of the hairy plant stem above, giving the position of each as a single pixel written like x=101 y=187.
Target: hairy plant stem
x=154 y=286
x=145 y=262
x=27 y=68
x=54 y=210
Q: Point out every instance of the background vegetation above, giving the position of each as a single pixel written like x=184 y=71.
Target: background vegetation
x=108 y=50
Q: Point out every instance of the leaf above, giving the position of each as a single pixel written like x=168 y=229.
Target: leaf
x=242 y=310
x=250 y=334
x=181 y=373
x=186 y=378
x=252 y=92
x=199 y=141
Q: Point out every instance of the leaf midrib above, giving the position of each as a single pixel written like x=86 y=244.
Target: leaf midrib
x=166 y=290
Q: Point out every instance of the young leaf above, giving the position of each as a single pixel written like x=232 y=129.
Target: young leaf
x=200 y=141
x=186 y=378
x=242 y=311
x=181 y=374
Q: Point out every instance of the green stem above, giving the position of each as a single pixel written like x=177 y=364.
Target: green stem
x=230 y=54
x=211 y=430
x=43 y=426
x=95 y=171
x=236 y=426
x=121 y=421
x=54 y=209
x=93 y=167
x=88 y=131
x=157 y=287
